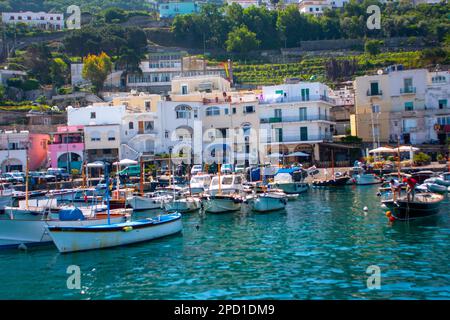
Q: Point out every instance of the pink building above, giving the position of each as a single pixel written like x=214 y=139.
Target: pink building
x=67 y=148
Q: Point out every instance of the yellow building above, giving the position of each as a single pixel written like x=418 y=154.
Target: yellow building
x=379 y=97
x=138 y=101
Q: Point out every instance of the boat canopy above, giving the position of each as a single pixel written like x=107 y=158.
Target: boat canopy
x=289 y=170
x=71 y=214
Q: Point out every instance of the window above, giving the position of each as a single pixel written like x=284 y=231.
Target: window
x=212 y=111
x=195 y=113
x=302 y=114
x=28 y=18
x=407 y=83
x=166 y=134
x=226 y=111
x=95 y=136
x=19 y=17
x=234 y=110
x=374 y=90
x=442 y=103
x=184 y=89
x=305 y=94
x=93 y=115
x=107 y=151
x=277 y=113
x=131 y=125
x=304 y=133
x=183 y=112
x=249 y=109
x=278 y=134
x=149 y=126
x=111 y=136
x=409 y=106
x=375 y=108
x=148 y=105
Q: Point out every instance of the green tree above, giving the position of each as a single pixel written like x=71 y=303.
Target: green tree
x=96 y=69
x=115 y=15
x=241 y=40
x=58 y=72
x=373 y=47
x=37 y=61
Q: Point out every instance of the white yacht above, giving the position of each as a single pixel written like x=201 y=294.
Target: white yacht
x=6 y=195
x=285 y=182
x=184 y=204
x=269 y=201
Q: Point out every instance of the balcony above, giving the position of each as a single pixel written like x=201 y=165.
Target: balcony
x=298 y=139
x=297 y=119
x=310 y=98
x=408 y=90
x=374 y=93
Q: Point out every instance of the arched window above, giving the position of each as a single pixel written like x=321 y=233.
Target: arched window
x=212 y=111
x=183 y=111
x=246 y=127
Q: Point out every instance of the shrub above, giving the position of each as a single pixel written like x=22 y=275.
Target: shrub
x=14 y=82
x=30 y=84
x=440 y=157
x=421 y=158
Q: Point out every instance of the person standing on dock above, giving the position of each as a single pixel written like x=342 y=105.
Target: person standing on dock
x=410 y=188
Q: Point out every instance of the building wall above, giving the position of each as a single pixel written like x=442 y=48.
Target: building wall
x=172 y=9
x=102 y=136
x=138 y=101
x=38 y=151
x=104 y=114
x=39 y=19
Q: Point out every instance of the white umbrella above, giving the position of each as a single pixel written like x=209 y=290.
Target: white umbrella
x=125 y=162
x=382 y=150
x=96 y=164
x=298 y=154
x=406 y=149
x=275 y=155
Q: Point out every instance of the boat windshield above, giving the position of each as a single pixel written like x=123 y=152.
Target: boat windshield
x=227 y=180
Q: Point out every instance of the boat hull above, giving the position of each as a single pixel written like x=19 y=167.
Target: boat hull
x=366 y=179
x=183 y=206
x=14 y=233
x=338 y=182
x=404 y=210
x=292 y=188
x=106 y=236
x=223 y=204
x=266 y=203
x=144 y=203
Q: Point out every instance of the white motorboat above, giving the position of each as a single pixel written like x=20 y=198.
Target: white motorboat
x=443 y=179
x=81 y=238
x=285 y=182
x=360 y=177
x=184 y=205
x=200 y=183
x=269 y=201
x=34 y=208
x=148 y=201
x=66 y=195
x=20 y=232
x=221 y=203
x=226 y=184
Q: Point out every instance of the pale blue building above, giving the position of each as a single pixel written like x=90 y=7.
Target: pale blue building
x=172 y=9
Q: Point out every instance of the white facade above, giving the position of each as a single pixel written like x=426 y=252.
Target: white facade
x=139 y=134
x=314 y=7
x=245 y=3
x=13 y=150
x=49 y=21
x=294 y=114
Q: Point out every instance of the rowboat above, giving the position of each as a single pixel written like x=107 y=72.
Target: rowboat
x=82 y=238
x=423 y=205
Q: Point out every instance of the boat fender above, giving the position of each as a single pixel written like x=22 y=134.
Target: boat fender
x=365 y=208
x=388 y=214
x=391 y=219
x=127 y=228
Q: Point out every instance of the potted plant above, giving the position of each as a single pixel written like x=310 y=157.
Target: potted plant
x=421 y=159
x=441 y=159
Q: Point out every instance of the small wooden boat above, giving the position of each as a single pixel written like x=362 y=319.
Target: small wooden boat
x=336 y=182
x=269 y=201
x=423 y=205
x=221 y=203
x=71 y=239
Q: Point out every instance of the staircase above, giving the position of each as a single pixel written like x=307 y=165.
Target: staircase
x=129 y=153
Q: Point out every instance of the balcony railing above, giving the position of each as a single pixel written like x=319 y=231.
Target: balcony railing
x=297 y=99
x=298 y=138
x=407 y=90
x=371 y=93
x=297 y=119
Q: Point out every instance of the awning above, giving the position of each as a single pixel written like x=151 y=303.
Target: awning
x=298 y=154
x=125 y=162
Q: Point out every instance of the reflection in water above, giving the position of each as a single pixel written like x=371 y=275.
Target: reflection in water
x=319 y=247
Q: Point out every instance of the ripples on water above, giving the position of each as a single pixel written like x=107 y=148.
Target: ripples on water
x=318 y=248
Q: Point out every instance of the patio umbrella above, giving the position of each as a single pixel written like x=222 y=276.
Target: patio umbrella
x=406 y=149
x=383 y=150
x=125 y=162
x=96 y=164
x=298 y=154
x=275 y=155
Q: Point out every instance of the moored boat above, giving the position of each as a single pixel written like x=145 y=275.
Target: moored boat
x=77 y=238
x=184 y=205
x=269 y=201
x=423 y=205
x=221 y=203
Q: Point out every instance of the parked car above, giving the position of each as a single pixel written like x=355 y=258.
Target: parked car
x=42 y=176
x=59 y=173
x=8 y=177
x=196 y=168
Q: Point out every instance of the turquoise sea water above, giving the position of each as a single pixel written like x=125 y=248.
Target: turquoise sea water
x=318 y=248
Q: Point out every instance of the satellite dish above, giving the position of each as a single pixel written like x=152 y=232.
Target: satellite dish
x=380 y=72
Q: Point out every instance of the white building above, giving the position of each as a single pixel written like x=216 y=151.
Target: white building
x=296 y=117
x=245 y=3
x=314 y=7
x=13 y=150
x=102 y=130
x=48 y=21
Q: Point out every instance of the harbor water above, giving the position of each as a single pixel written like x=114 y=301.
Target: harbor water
x=318 y=248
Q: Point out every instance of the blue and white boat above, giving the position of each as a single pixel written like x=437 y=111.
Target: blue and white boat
x=71 y=239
